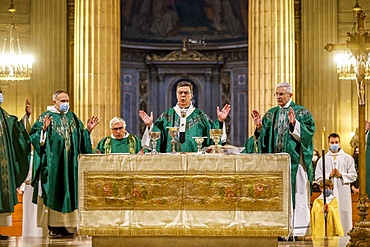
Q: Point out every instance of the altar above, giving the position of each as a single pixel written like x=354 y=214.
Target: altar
x=183 y=199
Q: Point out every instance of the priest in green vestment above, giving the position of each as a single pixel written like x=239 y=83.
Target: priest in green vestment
x=192 y=122
x=251 y=145
x=289 y=128
x=58 y=137
x=15 y=148
x=120 y=141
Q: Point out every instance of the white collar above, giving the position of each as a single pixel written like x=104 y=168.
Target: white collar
x=53 y=109
x=287 y=104
x=189 y=110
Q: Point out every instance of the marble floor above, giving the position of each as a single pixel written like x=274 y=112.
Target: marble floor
x=87 y=242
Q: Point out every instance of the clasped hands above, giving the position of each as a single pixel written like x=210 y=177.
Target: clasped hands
x=335 y=173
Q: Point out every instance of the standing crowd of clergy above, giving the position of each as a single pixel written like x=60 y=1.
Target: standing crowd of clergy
x=58 y=137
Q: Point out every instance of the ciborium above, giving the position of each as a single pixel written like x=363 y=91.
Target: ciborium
x=173 y=133
x=199 y=141
x=154 y=136
x=215 y=135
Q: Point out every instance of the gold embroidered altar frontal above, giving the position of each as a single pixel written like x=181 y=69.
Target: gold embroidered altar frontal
x=184 y=195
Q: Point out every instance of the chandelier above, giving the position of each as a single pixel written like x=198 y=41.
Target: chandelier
x=14 y=66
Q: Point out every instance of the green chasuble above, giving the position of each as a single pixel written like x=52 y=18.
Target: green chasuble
x=267 y=140
x=15 y=148
x=197 y=124
x=130 y=144
x=55 y=162
x=251 y=145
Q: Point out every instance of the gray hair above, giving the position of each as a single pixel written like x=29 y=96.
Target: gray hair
x=288 y=87
x=55 y=95
x=117 y=120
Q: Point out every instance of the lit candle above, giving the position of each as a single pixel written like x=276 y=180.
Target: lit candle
x=323 y=138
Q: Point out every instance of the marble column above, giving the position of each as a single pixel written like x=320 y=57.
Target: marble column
x=97 y=62
x=271 y=51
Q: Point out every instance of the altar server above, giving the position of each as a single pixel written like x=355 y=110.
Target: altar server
x=340 y=169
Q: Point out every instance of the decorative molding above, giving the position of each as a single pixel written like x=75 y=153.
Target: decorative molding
x=185 y=56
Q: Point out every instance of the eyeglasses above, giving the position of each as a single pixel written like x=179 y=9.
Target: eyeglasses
x=119 y=128
x=280 y=94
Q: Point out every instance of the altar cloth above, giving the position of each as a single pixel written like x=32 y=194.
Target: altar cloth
x=184 y=195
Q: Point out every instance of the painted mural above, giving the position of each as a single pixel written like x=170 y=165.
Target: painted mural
x=173 y=20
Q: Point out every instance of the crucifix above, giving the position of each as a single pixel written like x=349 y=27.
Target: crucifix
x=358 y=46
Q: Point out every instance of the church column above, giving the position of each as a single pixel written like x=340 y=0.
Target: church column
x=271 y=51
x=319 y=27
x=97 y=62
x=48 y=36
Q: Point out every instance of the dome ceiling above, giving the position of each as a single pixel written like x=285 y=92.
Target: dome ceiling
x=170 y=21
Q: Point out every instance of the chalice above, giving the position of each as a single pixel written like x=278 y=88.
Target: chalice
x=173 y=133
x=199 y=141
x=215 y=135
x=154 y=136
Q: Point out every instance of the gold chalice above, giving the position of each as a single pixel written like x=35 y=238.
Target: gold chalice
x=199 y=141
x=154 y=136
x=173 y=133
x=215 y=135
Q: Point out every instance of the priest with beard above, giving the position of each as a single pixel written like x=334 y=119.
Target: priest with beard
x=192 y=122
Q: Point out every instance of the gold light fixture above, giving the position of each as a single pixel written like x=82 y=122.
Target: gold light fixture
x=346 y=66
x=357 y=7
x=14 y=66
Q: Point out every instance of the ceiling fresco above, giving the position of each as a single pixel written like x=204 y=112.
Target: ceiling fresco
x=168 y=21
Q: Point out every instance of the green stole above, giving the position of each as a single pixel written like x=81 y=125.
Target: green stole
x=125 y=145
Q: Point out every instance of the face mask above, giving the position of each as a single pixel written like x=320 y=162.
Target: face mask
x=334 y=147
x=64 y=107
x=1 y=98
x=328 y=192
x=314 y=158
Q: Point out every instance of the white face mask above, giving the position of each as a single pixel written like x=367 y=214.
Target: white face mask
x=314 y=158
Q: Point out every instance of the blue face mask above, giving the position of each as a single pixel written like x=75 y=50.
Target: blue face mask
x=64 y=107
x=334 y=147
x=328 y=192
x=1 y=98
